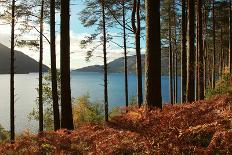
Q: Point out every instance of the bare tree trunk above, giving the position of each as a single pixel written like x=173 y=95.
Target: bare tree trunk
x=66 y=103
x=176 y=64
x=170 y=58
x=56 y=113
x=41 y=69
x=230 y=39
x=136 y=12
x=125 y=54
x=191 y=55
x=222 y=55
x=200 y=52
x=105 y=63
x=12 y=120
x=153 y=55
x=214 y=49
x=183 y=53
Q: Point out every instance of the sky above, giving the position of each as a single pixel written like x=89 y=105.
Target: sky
x=77 y=33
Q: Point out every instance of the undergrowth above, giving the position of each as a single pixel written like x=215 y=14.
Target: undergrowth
x=203 y=127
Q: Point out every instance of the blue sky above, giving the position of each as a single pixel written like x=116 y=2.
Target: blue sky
x=77 y=32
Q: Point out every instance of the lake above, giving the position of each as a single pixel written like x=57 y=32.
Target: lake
x=81 y=84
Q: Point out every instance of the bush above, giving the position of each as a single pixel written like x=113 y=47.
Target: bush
x=223 y=85
x=86 y=112
x=4 y=135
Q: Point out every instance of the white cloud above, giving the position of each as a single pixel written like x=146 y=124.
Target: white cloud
x=77 y=54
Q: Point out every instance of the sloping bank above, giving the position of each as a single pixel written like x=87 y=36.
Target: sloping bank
x=203 y=127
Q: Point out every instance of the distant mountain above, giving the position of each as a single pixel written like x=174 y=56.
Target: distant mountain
x=117 y=66
x=23 y=63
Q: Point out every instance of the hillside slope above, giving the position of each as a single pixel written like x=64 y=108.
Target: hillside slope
x=23 y=63
x=202 y=127
x=117 y=65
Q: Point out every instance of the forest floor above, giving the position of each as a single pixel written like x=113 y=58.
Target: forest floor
x=203 y=127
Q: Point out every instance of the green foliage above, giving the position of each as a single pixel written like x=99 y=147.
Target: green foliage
x=4 y=135
x=223 y=85
x=83 y=110
x=47 y=101
x=86 y=112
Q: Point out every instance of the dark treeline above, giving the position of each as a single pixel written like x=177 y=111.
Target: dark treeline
x=196 y=36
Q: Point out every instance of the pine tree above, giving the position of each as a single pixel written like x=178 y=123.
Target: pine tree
x=153 y=55
x=53 y=66
x=66 y=105
x=191 y=53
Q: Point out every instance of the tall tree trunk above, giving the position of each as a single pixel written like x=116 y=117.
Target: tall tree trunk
x=125 y=54
x=153 y=55
x=173 y=73
x=12 y=120
x=222 y=54
x=191 y=55
x=230 y=39
x=136 y=28
x=66 y=104
x=176 y=63
x=214 y=49
x=170 y=57
x=197 y=82
x=105 y=63
x=183 y=53
x=56 y=113
x=200 y=52
x=41 y=69
x=205 y=51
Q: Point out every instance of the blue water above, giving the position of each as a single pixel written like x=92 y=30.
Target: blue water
x=82 y=83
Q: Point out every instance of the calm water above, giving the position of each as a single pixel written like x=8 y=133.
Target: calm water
x=81 y=83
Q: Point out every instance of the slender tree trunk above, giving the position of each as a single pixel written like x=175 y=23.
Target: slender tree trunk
x=41 y=69
x=176 y=63
x=191 y=55
x=230 y=39
x=56 y=110
x=197 y=83
x=173 y=74
x=205 y=66
x=105 y=63
x=153 y=55
x=183 y=53
x=200 y=52
x=222 y=54
x=214 y=49
x=205 y=51
x=170 y=57
x=136 y=29
x=125 y=54
x=12 y=120
x=66 y=103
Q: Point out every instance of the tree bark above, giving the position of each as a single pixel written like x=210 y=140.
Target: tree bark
x=105 y=63
x=230 y=38
x=183 y=53
x=214 y=49
x=191 y=55
x=12 y=95
x=66 y=104
x=200 y=52
x=56 y=113
x=136 y=28
x=41 y=69
x=125 y=55
x=153 y=96
x=170 y=58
